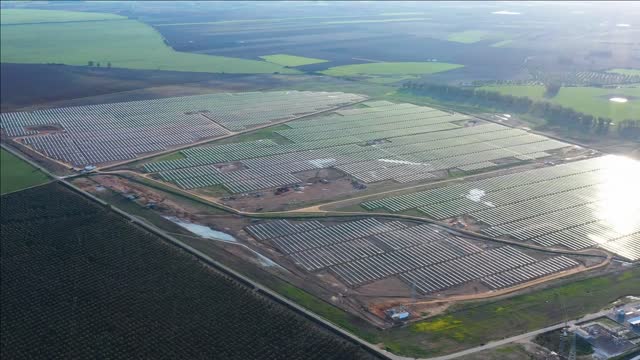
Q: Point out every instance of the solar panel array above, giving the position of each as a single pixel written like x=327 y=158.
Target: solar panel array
x=383 y=142
x=431 y=260
x=95 y=134
x=581 y=204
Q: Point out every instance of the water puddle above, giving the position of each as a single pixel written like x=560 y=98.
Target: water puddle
x=322 y=163
x=399 y=162
x=505 y=12
x=476 y=196
x=618 y=100
x=202 y=231
x=208 y=233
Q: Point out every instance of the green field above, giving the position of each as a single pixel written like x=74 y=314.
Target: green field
x=391 y=68
x=124 y=44
x=630 y=72
x=407 y=13
x=389 y=79
x=472 y=325
x=588 y=100
x=502 y=43
x=469 y=36
x=21 y=16
x=291 y=60
x=372 y=21
x=535 y=92
x=16 y=174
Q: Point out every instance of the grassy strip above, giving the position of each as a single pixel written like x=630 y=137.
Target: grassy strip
x=171 y=156
x=391 y=68
x=22 y=16
x=16 y=174
x=469 y=36
x=374 y=21
x=260 y=134
x=502 y=43
x=328 y=311
x=291 y=60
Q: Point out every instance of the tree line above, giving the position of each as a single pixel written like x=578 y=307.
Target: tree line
x=91 y=63
x=555 y=115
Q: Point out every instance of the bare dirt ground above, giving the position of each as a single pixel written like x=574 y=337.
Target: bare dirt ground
x=317 y=186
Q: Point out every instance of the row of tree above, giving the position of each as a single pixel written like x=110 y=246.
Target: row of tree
x=629 y=129
x=91 y=63
x=554 y=114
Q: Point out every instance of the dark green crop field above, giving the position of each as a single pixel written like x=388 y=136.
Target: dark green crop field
x=80 y=282
x=16 y=174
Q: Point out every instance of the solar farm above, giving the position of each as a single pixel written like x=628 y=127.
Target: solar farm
x=98 y=134
x=424 y=257
x=381 y=141
x=576 y=205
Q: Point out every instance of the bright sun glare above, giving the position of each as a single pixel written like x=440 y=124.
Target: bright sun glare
x=619 y=195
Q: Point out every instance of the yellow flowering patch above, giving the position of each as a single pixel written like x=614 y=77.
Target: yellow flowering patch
x=438 y=325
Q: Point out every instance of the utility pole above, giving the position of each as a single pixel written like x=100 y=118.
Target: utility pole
x=563 y=339
x=572 y=352
x=564 y=333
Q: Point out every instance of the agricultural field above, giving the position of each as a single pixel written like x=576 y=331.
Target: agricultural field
x=589 y=78
x=99 y=134
x=470 y=36
x=375 y=21
x=502 y=43
x=16 y=174
x=380 y=144
x=122 y=44
x=588 y=100
x=76 y=254
x=391 y=68
x=576 y=205
x=291 y=60
x=535 y=92
x=21 y=16
x=629 y=72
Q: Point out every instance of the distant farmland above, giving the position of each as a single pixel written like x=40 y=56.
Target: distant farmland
x=18 y=16
x=631 y=72
x=78 y=281
x=391 y=68
x=291 y=60
x=469 y=36
x=124 y=44
x=588 y=100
